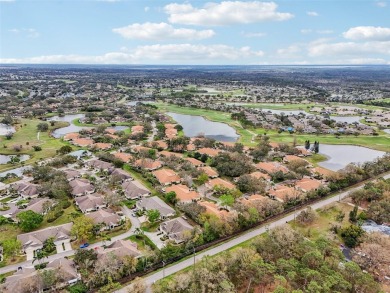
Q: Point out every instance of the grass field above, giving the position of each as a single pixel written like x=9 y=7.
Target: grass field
x=27 y=136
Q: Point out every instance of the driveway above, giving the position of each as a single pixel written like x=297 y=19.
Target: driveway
x=156 y=239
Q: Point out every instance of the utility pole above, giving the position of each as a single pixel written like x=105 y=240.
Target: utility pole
x=249 y=285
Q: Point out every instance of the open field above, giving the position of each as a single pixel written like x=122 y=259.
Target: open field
x=380 y=142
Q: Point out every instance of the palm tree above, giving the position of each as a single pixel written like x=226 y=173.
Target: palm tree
x=39 y=255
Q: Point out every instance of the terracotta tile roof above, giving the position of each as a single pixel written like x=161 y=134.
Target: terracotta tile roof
x=83 y=142
x=271 y=167
x=220 y=182
x=283 y=193
x=148 y=164
x=209 y=151
x=213 y=209
x=194 y=162
x=209 y=171
x=253 y=198
x=290 y=158
x=124 y=157
x=260 y=175
x=308 y=184
x=166 y=176
x=137 y=129
x=71 y=136
x=183 y=193
x=168 y=154
x=159 y=143
x=102 y=145
x=323 y=171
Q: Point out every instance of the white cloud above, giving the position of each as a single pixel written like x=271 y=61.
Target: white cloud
x=225 y=13
x=289 y=52
x=161 y=31
x=368 y=33
x=348 y=48
x=253 y=34
x=381 y=4
x=147 y=8
x=321 y=32
x=165 y=54
x=312 y=13
x=29 y=32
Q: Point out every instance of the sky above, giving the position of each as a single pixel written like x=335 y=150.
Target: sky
x=296 y=32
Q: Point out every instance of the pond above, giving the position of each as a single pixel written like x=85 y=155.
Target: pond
x=371 y=226
x=17 y=171
x=387 y=130
x=195 y=125
x=60 y=132
x=348 y=119
x=285 y=112
x=4 y=129
x=340 y=156
x=5 y=159
x=118 y=128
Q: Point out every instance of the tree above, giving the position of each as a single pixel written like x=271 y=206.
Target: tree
x=66 y=149
x=226 y=200
x=82 y=228
x=307 y=216
x=43 y=127
x=352 y=235
x=85 y=258
x=250 y=184
x=29 y=220
x=153 y=215
x=353 y=214
x=11 y=247
x=202 y=179
x=171 y=197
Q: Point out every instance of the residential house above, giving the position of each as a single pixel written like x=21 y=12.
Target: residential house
x=260 y=175
x=214 y=209
x=209 y=151
x=121 y=249
x=124 y=157
x=271 y=167
x=90 y=202
x=83 y=142
x=33 y=241
x=155 y=203
x=166 y=176
x=81 y=187
x=183 y=193
x=29 y=278
x=210 y=172
x=195 y=162
x=121 y=174
x=307 y=184
x=106 y=218
x=148 y=164
x=72 y=174
x=284 y=193
x=177 y=229
x=134 y=190
x=219 y=182
x=26 y=189
x=100 y=165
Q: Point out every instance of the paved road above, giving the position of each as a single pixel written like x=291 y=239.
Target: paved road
x=242 y=238
x=126 y=211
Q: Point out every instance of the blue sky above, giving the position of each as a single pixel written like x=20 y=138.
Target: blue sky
x=195 y=32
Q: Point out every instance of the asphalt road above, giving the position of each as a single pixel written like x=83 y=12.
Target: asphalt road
x=150 y=279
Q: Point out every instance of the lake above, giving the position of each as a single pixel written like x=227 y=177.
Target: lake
x=342 y=155
x=195 y=125
x=5 y=159
x=18 y=171
x=134 y=103
x=4 y=129
x=60 y=132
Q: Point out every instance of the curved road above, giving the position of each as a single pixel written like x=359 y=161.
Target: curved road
x=150 y=279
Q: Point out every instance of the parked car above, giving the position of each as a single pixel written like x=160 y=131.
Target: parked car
x=84 y=245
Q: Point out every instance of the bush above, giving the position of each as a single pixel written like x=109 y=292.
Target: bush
x=65 y=204
x=78 y=288
x=37 y=148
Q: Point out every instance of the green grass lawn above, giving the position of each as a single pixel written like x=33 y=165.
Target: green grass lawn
x=150 y=227
x=26 y=136
x=380 y=142
x=65 y=218
x=142 y=241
